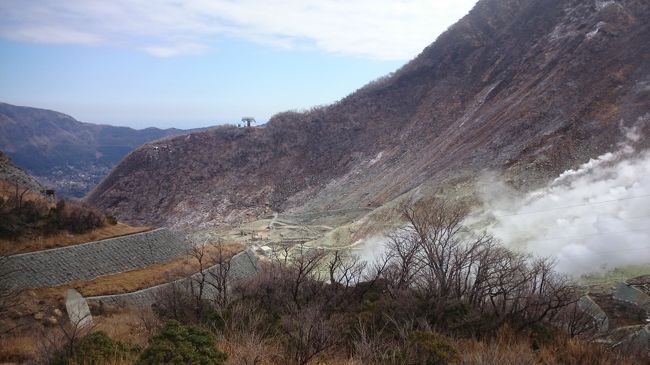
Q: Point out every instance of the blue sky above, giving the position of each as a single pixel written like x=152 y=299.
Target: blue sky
x=195 y=63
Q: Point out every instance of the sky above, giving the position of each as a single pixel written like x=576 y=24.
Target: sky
x=195 y=63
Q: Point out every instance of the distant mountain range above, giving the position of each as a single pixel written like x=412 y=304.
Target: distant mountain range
x=522 y=88
x=66 y=154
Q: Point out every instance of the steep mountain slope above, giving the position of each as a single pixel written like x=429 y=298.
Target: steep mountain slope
x=13 y=175
x=64 y=153
x=524 y=87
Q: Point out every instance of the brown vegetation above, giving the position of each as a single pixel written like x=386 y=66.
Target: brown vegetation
x=143 y=278
x=27 y=339
x=31 y=222
x=26 y=214
x=439 y=295
x=491 y=93
x=11 y=190
x=63 y=239
x=18 y=347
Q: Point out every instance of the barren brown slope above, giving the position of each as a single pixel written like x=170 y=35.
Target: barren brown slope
x=12 y=176
x=529 y=87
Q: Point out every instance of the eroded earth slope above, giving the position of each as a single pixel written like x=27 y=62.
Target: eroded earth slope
x=526 y=88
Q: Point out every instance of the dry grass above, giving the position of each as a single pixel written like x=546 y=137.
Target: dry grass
x=8 y=190
x=63 y=239
x=115 y=361
x=130 y=325
x=35 y=343
x=139 y=279
x=136 y=326
x=512 y=348
x=574 y=351
x=59 y=239
x=498 y=352
x=17 y=348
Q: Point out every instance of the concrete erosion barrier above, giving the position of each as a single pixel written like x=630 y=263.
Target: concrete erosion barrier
x=586 y=304
x=643 y=336
x=242 y=265
x=630 y=294
x=89 y=260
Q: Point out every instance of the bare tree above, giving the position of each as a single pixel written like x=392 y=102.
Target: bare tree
x=148 y=321
x=281 y=252
x=19 y=195
x=308 y=333
x=248 y=334
x=374 y=272
x=63 y=338
x=199 y=280
x=345 y=270
x=395 y=342
x=303 y=266
x=175 y=301
x=405 y=263
x=438 y=258
x=220 y=275
x=10 y=295
x=548 y=293
x=371 y=345
x=577 y=323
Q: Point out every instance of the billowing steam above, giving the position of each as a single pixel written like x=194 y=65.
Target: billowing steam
x=594 y=217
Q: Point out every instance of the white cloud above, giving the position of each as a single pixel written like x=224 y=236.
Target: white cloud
x=174 y=50
x=55 y=35
x=383 y=29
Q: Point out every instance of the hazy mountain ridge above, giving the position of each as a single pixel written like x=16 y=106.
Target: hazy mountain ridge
x=66 y=154
x=528 y=88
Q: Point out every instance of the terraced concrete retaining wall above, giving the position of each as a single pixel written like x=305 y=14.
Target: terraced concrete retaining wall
x=632 y=295
x=90 y=260
x=643 y=336
x=594 y=311
x=242 y=265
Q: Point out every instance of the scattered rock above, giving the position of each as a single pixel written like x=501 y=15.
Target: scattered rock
x=77 y=309
x=108 y=308
x=39 y=316
x=95 y=308
x=101 y=308
x=51 y=321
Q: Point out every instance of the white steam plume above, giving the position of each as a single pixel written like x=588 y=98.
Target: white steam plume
x=589 y=219
x=594 y=217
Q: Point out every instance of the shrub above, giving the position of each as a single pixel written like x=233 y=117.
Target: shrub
x=433 y=349
x=178 y=344
x=78 y=217
x=97 y=348
x=34 y=217
x=111 y=219
x=214 y=320
x=445 y=314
